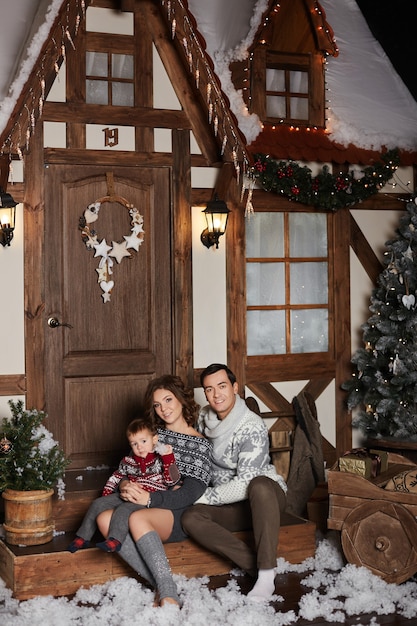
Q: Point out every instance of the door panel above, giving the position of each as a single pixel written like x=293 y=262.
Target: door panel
x=99 y=361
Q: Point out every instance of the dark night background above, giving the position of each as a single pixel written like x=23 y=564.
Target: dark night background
x=393 y=23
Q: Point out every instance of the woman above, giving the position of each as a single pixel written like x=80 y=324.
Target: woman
x=172 y=405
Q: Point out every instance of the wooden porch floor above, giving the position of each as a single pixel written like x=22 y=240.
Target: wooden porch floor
x=63 y=572
x=290 y=588
x=19 y=566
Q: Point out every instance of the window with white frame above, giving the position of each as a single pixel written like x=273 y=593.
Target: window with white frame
x=287 y=283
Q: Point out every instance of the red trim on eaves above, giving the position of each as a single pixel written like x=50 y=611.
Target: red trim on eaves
x=283 y=142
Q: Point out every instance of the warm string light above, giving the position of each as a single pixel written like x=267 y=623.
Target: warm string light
x=321 y=26
x=319 y=18
x=197 y=61
x=324 y=190
x=24 y=127
x=275 y=9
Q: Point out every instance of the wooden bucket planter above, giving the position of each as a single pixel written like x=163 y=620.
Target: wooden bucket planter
x=28 y=517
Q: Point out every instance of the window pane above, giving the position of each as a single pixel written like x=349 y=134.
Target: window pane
x=308 y=283
x=308 y=235
x=275 y=106
x=96 y=92
x=288 y=260
x=122 y=66
x=298 y=82
x=299 y=108
x=265 y=235
x=266 y=332
x=122 y=94
x=96 y=63
x=275 y=80
x=265 y=284
x=309 y=331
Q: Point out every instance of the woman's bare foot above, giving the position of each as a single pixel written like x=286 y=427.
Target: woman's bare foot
x=165 y=601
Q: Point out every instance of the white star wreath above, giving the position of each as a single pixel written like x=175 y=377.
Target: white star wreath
x=118 y=250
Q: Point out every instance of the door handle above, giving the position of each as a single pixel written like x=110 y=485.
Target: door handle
x=53 y=322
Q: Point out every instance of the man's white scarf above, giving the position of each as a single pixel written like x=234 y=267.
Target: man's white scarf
x=220 y=431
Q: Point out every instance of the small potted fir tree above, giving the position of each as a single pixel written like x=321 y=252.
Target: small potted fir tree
x=31 y=465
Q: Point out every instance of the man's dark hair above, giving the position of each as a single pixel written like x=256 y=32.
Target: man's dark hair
x=216 y=367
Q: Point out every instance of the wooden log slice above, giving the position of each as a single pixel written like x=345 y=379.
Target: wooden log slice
x=381 y=536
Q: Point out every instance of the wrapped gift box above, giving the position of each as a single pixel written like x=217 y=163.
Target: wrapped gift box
x=383 y=455
x=355 y=465
x=366 y=463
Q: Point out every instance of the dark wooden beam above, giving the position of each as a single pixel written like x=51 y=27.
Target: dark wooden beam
x=179 y=80
x=271 y=397
x=316 y=386
x=342 y=325
x=288 y=367
x=35 y=323
x=12 y=384
x=367 y=257
x=120 y=116
x=107 y=157
x=235 y=283
x=183 y=297
x=4 y=171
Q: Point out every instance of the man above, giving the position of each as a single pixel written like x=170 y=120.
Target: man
x=246 y=491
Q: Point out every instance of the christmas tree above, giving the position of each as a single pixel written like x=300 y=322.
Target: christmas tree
x=384 y=384
x=30 y=458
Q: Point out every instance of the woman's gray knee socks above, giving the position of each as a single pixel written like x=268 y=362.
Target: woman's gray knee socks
x=152 y=551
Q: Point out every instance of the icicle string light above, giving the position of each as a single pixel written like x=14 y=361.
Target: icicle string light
x=68 y=36
x=219 y=116
x=18 y=136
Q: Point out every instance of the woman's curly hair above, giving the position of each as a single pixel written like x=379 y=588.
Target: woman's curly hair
x=184 y=394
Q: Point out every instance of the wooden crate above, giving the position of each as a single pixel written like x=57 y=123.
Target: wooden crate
x=51 y=570
x=348 y=491
x=378 y=526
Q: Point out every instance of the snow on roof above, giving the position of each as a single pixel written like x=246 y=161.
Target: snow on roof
x=368 y=103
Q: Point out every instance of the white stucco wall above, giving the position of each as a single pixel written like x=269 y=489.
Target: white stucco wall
x=12 y=357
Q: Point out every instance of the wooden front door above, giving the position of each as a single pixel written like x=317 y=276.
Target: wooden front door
x=103 y=346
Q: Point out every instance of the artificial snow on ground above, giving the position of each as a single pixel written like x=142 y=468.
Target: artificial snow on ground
x=333 y=591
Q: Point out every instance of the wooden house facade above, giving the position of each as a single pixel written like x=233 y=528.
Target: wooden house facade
x=125 y=134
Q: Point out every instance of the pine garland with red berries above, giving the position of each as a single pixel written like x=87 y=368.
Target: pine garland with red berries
x=324 y=191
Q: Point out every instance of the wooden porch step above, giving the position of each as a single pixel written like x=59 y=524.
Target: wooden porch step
x=81 y=488
x=51 y=570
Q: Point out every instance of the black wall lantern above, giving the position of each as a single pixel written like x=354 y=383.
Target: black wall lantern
x=7 y=217
x=216 y=214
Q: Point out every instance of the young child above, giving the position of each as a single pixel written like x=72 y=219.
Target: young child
x=151 y=464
